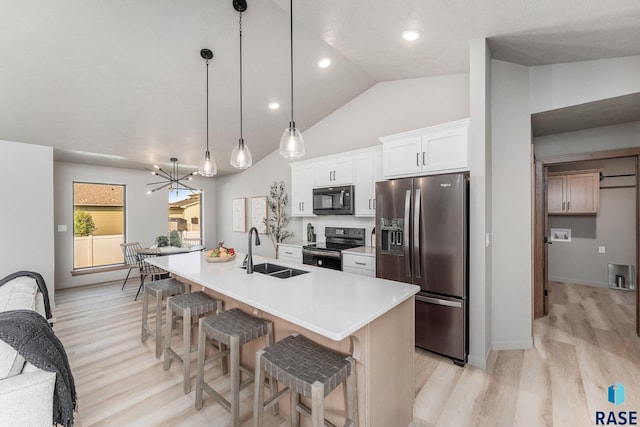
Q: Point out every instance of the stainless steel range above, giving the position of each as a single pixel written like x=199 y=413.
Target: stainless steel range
x=328 y=254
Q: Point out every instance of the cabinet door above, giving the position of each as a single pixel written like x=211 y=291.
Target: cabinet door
x=402 y=157
x=364 y=184
x=582 y=193
x=338 y=171
x=302 y=190
x=555 y=194
x=445 y=150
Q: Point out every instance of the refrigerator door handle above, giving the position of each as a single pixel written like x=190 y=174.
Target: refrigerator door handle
x=407 y=254
x=416 y=235
x=438 y=301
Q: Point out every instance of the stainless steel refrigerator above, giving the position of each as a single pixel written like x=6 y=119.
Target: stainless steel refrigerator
x=422 y=239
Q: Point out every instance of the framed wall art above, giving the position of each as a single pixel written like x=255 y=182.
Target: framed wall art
x=238 y=218
x=259 y=213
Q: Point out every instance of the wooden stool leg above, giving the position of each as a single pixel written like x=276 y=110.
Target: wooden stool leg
x=258 y=394
x=186 y=357
x=351 y=397
x=317 y=404
x=158 y=323
x=145 y=314
x=167 y=337
x=202 y=341
x=234 y=344
x=295 y=415
x=273 y=384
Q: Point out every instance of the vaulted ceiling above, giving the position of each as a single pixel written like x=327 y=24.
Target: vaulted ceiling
x=122 y=83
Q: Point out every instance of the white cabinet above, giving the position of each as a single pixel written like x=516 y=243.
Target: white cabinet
x=436 y=149
x=367 y=170
x=359 y=264
x=290 y=253
x=335 y=171
x=302 y=189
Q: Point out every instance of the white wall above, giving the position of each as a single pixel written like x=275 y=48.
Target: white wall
x=146 y=215
x=512 y=222
x=480 y=194
x=562 y=85
x=26 y=172
x=384 y=109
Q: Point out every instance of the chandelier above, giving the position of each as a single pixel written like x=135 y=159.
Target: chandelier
x=172 y=179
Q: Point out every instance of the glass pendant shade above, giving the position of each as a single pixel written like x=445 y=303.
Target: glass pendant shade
x=241 y=156
x=291 y=143
x=207 y=166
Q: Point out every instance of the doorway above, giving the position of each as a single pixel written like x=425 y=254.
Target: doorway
x=541 y=226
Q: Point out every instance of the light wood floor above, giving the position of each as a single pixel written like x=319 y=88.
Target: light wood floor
x=586 y=344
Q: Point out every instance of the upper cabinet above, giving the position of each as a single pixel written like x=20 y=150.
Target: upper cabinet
x=367 y=170
x=362 y=168
x=302 y=176
x=337 y=171
x=573 y=193
x=436 y=149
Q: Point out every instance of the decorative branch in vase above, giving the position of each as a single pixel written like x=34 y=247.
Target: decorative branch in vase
x=278 y=219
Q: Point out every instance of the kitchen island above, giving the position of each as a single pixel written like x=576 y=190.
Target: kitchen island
x=371 y=319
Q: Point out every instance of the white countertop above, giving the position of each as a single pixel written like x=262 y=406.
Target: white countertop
x=361 y=250
x=331 y=303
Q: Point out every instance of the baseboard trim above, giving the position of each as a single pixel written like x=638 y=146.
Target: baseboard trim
x=479 y=362
x=578 y=282
x=513 y=345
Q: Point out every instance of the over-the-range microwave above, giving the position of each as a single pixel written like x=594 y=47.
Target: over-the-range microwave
x=333 y=200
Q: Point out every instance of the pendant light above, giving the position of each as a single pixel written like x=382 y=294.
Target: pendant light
x=207 y=166
x=240 y=156
x=291 y=143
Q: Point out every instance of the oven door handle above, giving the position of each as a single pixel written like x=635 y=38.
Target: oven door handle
x=327 y=254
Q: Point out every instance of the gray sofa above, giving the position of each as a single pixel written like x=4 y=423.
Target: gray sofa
x=26 y=392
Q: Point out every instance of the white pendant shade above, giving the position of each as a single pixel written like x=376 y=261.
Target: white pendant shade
x=241 y=156
x=207 y=166
x=291 y=144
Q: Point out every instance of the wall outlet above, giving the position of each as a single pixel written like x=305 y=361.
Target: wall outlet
x=487 y=240
x=601 y=249
x=62 y=228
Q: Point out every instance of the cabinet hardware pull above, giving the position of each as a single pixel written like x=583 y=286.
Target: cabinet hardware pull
x=568 y=205
x=374 y=203
x=423 y=162
x=418 y=159
x=361 y=263
x=563 y=205
x=288 y=253
x=369 y=203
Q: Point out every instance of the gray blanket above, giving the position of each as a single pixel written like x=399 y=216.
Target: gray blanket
x=32 y=337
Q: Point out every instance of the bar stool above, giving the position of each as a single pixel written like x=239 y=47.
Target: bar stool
x=194 y=304
x=305 y=368
x=161 y=290
x=233 y=328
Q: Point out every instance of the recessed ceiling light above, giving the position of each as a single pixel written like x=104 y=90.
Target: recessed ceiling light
x=324 y=62
x=410 y=35
x=274 y=105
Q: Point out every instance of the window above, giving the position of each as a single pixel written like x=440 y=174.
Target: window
x=98 y=224
x=185 y=215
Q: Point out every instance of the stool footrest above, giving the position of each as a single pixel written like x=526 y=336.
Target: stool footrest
x=304 y=409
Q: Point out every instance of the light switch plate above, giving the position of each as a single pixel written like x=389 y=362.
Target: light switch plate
x=487 y=240
x=62 y=228
x=601 y=249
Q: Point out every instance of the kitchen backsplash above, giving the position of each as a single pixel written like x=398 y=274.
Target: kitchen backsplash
x=319 y=223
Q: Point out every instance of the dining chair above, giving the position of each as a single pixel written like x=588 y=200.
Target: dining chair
x=130 y=257
x=148 y=271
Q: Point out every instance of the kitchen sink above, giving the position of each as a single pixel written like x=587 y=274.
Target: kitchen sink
x=279 y=271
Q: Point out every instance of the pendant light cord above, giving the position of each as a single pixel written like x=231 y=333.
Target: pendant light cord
x=291 y=38
x=241 y=139
x=207 y=106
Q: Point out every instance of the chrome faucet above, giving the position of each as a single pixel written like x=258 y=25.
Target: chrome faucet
x=250 y=250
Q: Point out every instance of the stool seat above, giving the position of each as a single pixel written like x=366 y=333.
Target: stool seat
x=166 y=287
x=198 y=302
x=161 y=290
x=305 y=369
x=234 y=322
x=231 y=329
x=194 y=304
x=298 y=363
